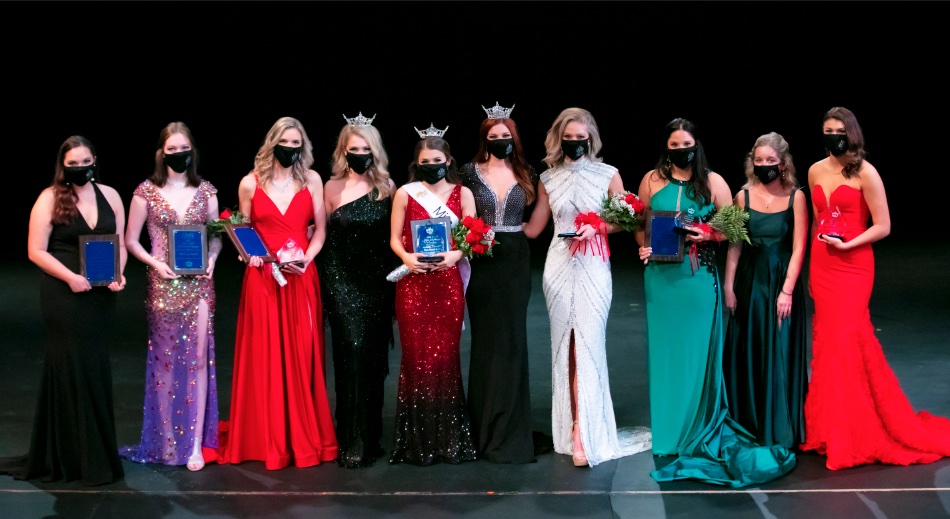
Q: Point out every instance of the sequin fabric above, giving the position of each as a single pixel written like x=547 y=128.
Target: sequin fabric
x=578 y=291
x=432 y=425
x=505 y=215
x=175 y=355
x=358 y=303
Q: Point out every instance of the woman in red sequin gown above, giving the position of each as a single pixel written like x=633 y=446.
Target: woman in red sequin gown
x=432 y=424
x=280 y=413
x=855 y=411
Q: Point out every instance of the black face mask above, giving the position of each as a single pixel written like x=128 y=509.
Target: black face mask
x=359 y=162
x=682 y=157
x=574 y=150
x=835 y=143
x=500 y=148
x=79 y=175
x=431 y=173
x=286 y=155
x=766 y=174
x=180 y=161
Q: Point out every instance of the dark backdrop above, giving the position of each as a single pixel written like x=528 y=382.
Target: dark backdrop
x=117 y=72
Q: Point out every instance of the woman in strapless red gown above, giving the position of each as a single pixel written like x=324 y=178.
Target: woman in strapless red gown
x=855 y=411
x=279 y=412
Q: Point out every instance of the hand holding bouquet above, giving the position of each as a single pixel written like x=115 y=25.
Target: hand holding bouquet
x=728 y=222
x=624 y=210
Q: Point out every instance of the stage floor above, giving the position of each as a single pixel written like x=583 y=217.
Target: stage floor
x=910 y=308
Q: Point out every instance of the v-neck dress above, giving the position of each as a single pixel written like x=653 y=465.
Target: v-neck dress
x=175 y=355
x=279 y=411
x=74 y=437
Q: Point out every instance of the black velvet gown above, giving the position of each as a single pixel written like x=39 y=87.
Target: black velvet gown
x=74 y=436
x=358 y=303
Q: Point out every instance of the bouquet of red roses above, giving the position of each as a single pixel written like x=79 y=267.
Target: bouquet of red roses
x=473 y=237
x=227 y=216
x=623 y=209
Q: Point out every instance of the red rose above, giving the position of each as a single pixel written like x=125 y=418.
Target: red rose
x=636 y=204
x=225 y=214
x=478 y=225
x=467 y=221
x=479 y=248
x=629 y=199
x=473 y=237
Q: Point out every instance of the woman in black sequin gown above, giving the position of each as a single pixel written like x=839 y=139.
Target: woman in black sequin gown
x=74 y=435
x=357 y=299
x=499 y=399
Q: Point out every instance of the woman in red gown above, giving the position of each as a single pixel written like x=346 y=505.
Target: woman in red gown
x=855 y=410
x=279 y=409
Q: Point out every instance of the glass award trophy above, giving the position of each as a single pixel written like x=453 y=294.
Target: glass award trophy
x=835 y=224
x=291 y=253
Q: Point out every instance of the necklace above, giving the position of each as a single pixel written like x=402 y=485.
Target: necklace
x=176 y=185
x=768 y=201
x=283 y=185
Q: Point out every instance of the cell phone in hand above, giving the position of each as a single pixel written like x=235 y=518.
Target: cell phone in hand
x=568 y=234
x=431 y=259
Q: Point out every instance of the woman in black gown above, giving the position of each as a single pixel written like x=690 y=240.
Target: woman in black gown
x=74 y=434
x=499 y=400
x=357 y=299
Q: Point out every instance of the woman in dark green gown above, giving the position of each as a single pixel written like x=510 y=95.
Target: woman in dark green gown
x=764 y=362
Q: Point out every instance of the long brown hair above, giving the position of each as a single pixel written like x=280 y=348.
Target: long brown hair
x=440 y=144
x=519 y=165
x=699 y=182
x=64 y=198
x=160 y=173
x=855 y=154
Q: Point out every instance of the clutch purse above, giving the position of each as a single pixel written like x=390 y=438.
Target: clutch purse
x=397 y=274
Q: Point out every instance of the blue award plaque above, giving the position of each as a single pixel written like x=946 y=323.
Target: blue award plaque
x=99 y=258
x=663 y=234
x=431 y=237
x=248 y=242
x=188 y=249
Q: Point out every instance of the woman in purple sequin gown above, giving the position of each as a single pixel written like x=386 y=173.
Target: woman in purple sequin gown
x=180 y=415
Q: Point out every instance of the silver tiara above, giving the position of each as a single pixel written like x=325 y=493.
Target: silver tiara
x=359 y=120
x=431 y=131
x=498 y=111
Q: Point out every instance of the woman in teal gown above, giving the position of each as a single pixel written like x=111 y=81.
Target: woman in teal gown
x=689 y=413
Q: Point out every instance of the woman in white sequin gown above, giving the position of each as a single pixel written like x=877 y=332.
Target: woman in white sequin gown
x=578 y=290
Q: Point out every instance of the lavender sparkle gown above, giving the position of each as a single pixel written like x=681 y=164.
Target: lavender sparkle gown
x=171 y=407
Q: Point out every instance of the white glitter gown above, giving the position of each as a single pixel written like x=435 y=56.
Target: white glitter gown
x=578 y=289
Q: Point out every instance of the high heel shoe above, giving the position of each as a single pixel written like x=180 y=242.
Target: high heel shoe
x=579 y=457
x=196 y=461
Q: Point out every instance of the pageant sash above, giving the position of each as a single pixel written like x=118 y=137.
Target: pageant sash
x=436 y=208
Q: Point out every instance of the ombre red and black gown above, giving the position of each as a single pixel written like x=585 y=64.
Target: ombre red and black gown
x=855 y=411
x=279 y=409
x=432 y=424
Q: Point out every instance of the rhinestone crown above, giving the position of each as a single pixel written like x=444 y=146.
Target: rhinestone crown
x=359 y=120
x=498 y=111
x=431 y=131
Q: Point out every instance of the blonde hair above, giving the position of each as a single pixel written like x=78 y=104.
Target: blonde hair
x=378 y=172
x=777 y=143
x=552 y=141
x=264 y=160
